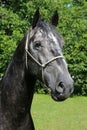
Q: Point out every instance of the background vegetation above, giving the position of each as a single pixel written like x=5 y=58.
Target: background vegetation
x=16 y=17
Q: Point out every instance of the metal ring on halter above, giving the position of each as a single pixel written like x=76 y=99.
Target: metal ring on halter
x=41 y=65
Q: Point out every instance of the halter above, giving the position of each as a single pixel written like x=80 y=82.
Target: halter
x=43 y=66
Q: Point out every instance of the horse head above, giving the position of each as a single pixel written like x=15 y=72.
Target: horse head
x=44 y=57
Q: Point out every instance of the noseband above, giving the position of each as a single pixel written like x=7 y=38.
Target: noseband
x=43 y=66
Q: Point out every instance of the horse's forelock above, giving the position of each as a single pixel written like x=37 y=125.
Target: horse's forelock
x=50 y=30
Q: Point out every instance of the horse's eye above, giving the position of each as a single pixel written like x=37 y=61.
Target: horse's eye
x=37 y=44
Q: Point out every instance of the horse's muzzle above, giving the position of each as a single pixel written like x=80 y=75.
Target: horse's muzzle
x=62 y=92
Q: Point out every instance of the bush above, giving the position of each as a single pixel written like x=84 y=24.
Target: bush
x=72 y=25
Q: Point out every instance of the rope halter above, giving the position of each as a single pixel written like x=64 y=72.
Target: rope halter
x=43 y=66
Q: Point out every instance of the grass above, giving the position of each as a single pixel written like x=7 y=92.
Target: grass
x=68 y=115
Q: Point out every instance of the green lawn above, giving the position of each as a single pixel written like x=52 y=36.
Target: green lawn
x=68 y=115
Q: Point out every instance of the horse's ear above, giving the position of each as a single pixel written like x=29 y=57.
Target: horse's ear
x=36 y=18
x=55 y=18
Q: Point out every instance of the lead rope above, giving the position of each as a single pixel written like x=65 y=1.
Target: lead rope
x=41 y=65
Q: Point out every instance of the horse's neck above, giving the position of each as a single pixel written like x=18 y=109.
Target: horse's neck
x=17 y=76
x=17 y=85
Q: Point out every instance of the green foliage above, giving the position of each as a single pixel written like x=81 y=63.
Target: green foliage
x=74 y=30
x=10 y=32
x=15 y=20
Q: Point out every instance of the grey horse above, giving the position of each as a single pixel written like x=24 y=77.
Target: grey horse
x=38 y=56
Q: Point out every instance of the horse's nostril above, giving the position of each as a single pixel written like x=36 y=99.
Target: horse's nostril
x=60 y=88
x=61 y=84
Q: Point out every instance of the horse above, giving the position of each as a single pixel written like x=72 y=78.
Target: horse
x=37 y=56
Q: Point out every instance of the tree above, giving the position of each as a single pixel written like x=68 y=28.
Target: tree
x=74 y=29
x=15 y=20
